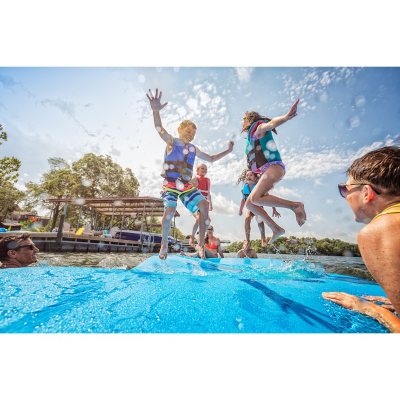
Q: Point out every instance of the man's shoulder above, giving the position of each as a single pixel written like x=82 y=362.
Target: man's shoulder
x=384 y=229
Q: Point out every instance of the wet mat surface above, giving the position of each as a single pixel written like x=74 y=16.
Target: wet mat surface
x=181 y=295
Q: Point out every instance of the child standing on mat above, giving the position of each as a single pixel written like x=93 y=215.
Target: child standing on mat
x=204 y=185
x=177 y=170
x=251 y=180
x=263 y=158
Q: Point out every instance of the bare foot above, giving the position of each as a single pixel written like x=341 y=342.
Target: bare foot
x=300 y=213
x=163 y=252
x=264 y=242
x=276 y=235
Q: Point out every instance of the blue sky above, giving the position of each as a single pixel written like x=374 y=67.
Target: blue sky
x=343 y=113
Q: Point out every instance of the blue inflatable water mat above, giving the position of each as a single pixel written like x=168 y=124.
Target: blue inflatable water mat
x=182 y=295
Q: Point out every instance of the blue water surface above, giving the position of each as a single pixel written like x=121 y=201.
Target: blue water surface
x=181 y=295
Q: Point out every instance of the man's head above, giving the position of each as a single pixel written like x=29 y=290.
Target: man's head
x=187 y=131
x=372 y=179
x=18 y=251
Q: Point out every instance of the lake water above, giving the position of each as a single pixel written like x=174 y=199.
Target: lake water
x=353 y=266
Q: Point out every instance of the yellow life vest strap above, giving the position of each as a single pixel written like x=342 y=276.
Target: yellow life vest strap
x=393 y=209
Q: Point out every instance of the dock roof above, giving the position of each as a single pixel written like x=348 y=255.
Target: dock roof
x=123 y=206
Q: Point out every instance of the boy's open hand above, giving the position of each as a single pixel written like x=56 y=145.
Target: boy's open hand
x=155 y=101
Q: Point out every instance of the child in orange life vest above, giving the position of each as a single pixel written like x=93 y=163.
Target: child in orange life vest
x=250 y=181
x=203 y=184
x=177 y=171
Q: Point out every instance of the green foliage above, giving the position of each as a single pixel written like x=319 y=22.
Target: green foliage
x=9 y=169
x=91 y=176
x=307 y=245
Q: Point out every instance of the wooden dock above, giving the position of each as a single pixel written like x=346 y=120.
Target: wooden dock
x=47 y=242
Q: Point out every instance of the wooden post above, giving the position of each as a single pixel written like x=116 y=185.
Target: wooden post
x=61 y=226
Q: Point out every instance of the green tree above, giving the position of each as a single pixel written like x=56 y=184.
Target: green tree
x=10 y=196
x=91 y=176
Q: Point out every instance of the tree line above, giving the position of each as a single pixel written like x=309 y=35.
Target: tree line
x=304 y=245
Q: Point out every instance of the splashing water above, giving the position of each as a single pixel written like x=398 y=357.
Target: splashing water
x=271 y=145
x=359 y=101
x=78 y=201
x=87 y=182
x=179 y=185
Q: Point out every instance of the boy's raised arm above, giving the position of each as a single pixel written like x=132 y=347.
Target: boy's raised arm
x=215 y=157
x=156 y=106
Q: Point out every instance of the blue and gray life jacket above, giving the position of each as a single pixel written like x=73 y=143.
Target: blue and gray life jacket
x=247 y=190
x=178 y=163
x=260 y=151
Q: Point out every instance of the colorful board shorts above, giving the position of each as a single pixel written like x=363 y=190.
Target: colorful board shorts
x=189 y=195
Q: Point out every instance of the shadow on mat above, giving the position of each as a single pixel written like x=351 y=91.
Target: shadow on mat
x=307 y=314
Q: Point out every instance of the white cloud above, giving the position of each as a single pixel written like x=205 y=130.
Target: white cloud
x=312 y=164
x=314 y=85
x=224 y=206
x=282 y=191
x=244 y=74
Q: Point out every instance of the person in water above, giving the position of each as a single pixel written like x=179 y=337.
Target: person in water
x=212 y=246
x=250 y=182
x=204 y=185
x=17 y=251
x=178 y=164
x=372 y=191
x=264 y=158
x=246 y=251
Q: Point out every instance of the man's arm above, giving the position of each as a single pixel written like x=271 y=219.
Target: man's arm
x=215 y=157
x=156 y=106
x=262 y=129
x=382 y=315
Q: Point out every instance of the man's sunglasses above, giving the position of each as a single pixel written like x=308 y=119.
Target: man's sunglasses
x=344 y=191
x=10 y=246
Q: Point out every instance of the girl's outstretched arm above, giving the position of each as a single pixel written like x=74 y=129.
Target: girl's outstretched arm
x=215 y=157
x=275 y=122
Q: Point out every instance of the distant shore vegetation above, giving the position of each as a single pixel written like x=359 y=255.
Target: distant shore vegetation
x=304 y=245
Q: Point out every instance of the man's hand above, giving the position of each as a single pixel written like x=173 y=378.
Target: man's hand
x=155 y=101
x=348 y=301
x=230 y=145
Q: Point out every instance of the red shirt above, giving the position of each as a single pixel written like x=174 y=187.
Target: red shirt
x=204 y=186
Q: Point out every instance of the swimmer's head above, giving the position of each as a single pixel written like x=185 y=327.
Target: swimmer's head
x=187 y=131
x=201 y=169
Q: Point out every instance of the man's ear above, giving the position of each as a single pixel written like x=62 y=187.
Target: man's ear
x=368 y=194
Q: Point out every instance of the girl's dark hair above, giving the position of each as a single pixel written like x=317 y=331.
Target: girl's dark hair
x=255 y=116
